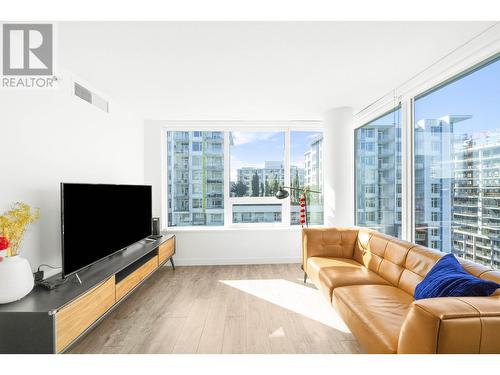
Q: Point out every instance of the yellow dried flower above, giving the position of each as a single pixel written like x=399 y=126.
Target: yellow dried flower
x=13 y=225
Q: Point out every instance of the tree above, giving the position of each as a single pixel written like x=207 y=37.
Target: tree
x=275 y=187
x=255 y=185
x=239 y=189
x=295 y=184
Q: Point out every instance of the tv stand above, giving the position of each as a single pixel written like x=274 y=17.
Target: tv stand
x=51 y=321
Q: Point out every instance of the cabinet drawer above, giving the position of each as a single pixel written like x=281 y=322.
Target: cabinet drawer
x=132 y=280
x=166 y=250
x=77 y=316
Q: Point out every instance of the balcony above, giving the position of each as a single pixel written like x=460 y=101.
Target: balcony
x=215 y=195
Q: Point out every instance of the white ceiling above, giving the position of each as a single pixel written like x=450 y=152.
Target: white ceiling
x=252 y=70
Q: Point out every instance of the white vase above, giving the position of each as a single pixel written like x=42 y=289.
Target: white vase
x=16 y=279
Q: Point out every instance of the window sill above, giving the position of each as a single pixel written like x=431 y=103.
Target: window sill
x=294 y=228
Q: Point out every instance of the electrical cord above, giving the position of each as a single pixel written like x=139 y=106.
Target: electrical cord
x=47 y=265
x=39 y=274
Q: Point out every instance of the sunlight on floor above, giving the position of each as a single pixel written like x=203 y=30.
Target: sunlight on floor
x=294 y=297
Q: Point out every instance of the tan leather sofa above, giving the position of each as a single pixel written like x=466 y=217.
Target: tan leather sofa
x=370 y=278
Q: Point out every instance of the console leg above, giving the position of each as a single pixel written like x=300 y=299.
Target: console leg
x=305 y=277
x=172 y=263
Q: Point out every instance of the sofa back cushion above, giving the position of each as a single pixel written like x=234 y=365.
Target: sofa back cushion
x=338 y=243
x=405 y=264
x=383 y=254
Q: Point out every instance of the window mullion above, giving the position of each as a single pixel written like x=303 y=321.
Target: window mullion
x=228 y=208
x=286 y=207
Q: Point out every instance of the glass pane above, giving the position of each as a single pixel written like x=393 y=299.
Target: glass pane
x=457 y=167
x=195 y=165
x=306 y=170
x=378 y=174
x=256 y=160
x=257 y=213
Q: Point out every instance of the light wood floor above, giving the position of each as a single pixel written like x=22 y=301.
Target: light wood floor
x=222 y=309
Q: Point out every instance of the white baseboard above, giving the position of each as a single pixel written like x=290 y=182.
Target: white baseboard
x=231 y=261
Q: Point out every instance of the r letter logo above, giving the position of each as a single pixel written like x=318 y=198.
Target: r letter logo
x=27 y=50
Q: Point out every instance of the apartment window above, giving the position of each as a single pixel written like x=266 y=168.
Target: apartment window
x=306 y=170
x=435 y=202
x=461 y=120
x=196 y=174
x=370 y=203
x=387 y=169
x=370 y=216
x=435 y=216
x=195 y=161
x=199 y=188
x=196 y=146
x=435 y=188
x=370 y=189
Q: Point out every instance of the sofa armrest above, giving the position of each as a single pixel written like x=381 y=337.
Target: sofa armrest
x=327 y=242
x=452 y=325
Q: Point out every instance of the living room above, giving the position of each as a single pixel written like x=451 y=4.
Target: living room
x=245 y=185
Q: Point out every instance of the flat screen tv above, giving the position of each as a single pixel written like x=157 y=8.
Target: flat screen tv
x=99 y=220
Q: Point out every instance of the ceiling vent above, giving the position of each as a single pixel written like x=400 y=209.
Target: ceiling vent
x=91 y=97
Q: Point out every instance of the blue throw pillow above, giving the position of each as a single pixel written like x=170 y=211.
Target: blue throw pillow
x=448 y=279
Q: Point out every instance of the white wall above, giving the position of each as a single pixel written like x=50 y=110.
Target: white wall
x=47 y=137
x=196 y=246
x=338 y=164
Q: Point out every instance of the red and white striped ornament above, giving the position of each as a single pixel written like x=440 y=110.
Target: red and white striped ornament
x=302 y=210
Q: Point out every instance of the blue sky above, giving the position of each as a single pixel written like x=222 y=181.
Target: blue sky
x=251 y=149
x=477 y=94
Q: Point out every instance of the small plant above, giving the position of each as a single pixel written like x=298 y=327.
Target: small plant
x=13 y=225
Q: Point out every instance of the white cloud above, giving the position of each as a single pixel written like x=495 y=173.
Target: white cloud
x=241 y=138
x=238 y=164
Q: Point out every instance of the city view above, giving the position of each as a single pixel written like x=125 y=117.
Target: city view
x=456 y=169
x=195 y=164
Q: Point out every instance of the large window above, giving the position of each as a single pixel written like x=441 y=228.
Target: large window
x=457 y=166
x=195 y=166
x=203 y=190
x=378 y=174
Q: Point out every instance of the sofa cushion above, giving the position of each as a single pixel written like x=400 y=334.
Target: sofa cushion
x=374 y=314
x=448 y=279
x=316 y=264
x=336 y=277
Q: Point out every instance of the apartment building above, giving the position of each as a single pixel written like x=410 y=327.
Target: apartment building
x=476 y=206
x=196 y=178
x=379 y=173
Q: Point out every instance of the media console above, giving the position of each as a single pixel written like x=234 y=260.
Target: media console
x=51 y=321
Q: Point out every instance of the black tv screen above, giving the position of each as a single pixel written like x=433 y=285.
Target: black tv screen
x=100 y=220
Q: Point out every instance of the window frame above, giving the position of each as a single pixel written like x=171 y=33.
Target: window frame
x=226 y=127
